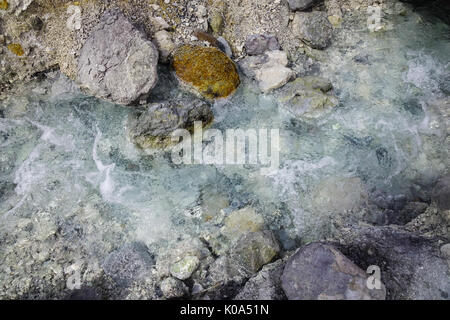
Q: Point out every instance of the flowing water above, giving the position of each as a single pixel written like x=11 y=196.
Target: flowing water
x=67 y=166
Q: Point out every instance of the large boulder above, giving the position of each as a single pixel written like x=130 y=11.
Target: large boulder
x=313 y=28
x=307 y=97
x=117 y=62
x=148 y=131
x=321 y=272
x=206 y=70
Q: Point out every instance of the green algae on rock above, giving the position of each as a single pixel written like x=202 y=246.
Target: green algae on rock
x=207 y=70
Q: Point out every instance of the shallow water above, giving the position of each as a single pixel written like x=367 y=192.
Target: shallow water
x=68 y=155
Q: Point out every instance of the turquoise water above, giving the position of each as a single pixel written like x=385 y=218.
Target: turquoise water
x=69 y=155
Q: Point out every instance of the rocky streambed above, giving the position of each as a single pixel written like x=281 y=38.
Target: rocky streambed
x=93 y=206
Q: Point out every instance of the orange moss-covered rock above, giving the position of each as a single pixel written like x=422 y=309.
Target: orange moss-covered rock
x=208 y=70
x=16 y=49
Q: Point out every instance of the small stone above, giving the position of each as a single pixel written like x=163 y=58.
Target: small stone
x=159 y=23
x=173 y=288
x=184 y=268
x=216 y=22
x=16 y=48
x=36 y=23
x=163 y=41
x=4 y=5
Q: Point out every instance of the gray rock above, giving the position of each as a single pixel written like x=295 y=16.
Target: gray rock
x=320 y=272
x=265 y=285
x=411 y=265
x=441 y=193
x=173 y=288
x=295 y=5
x=313 y=28
x=253 y=250
x=268 y=69
x=148 y=131
x=128 y=263
x=117 y=62
x=256 y=44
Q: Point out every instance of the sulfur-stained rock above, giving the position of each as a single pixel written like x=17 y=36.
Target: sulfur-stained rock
x=208 y=71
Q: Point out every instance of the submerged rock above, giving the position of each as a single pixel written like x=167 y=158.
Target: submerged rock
x=242 y=221
x=253 y=250
x=128 y=263
x=117 y=62
x=148 y=131
x=313 y=28
x=307 y=97
x=208 y=71
x=321 y=272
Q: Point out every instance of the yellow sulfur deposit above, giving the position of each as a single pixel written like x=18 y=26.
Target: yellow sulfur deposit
x=16 y=49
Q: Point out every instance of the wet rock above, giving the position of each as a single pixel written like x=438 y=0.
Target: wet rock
x=256 y=44
x=265 y=285
x=307 y=97
x=207 y=71
x=411 y=266
x=445 y=250
x=117 y=62
x=269 y=69
x=313 y=28
x=242 y=221
x=183 y=268
x=164 y=43
x=148 y=131
x=253 y=250
x=320 y=272
x=408 y=213
x=441 y=193
x=340 y=195
x=173 y=288
x=295 y=5
x=128 y=263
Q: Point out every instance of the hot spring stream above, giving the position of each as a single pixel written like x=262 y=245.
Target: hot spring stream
x=73 y=188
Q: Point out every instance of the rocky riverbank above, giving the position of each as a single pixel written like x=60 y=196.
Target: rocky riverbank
x=157 y=66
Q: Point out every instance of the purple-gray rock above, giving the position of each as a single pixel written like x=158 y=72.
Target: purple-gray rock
x=321 y=272
x=441 y=193
x=256 y=44
x=117 y=62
